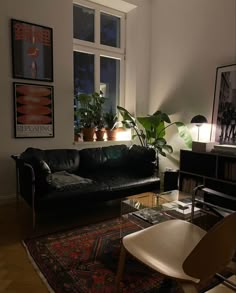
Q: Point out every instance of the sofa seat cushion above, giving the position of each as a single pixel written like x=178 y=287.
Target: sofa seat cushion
x=66 y=185
x=66 y=181
x=117 y=180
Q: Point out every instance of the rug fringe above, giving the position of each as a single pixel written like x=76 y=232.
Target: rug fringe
x=36 y=268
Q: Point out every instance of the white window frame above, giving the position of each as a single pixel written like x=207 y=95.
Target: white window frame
x=100 y=50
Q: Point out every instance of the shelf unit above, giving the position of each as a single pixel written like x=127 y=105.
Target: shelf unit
x=215 y=171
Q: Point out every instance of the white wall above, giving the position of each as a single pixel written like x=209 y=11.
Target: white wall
x=138 y=57
x=190 y=38
x=57 y=15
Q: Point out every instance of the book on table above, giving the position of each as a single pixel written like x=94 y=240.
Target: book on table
x=151 y=215
x=183 y=213
x=181 y=208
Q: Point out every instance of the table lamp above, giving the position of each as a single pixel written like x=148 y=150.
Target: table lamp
x=198 y=120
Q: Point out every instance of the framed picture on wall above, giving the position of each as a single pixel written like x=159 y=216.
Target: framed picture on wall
x=224 y=107
x=32 y=51
x=33 y=110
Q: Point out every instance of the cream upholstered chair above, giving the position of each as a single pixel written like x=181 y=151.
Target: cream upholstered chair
x=182 y=250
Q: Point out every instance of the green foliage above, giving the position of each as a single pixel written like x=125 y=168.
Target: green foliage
x=90 y=110
x=77 y=130
x=110 y=119
x=153 y=130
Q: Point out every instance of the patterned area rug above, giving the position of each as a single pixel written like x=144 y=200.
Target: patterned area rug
x=85 y=260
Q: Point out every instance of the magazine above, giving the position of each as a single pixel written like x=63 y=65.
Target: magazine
x=151 y=215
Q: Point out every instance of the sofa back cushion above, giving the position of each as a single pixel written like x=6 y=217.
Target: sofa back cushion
x=141 y=160
x=115 y=156
x=62 y=160
x=56 y=159
x=101 y=158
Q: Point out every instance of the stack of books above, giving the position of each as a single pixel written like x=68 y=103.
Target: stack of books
x=184 y=209
x=184 y=213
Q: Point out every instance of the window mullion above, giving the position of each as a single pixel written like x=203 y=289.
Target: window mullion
x=121 y=101
x=97 y=73
x=97 y=55
x=97 y=27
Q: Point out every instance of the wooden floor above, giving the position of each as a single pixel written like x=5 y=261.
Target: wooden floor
x=16 y=272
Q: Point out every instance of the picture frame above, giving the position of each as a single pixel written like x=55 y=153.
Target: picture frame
x=33 y=110
x=32 y=51
x=224 y=106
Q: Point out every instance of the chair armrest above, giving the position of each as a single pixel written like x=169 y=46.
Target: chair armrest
x=217 y=209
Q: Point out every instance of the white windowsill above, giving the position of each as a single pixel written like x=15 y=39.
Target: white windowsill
x=89 y=144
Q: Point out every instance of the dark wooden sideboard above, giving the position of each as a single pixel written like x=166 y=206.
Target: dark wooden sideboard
x=216 y=171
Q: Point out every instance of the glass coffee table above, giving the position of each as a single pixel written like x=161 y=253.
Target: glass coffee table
x=148 y=209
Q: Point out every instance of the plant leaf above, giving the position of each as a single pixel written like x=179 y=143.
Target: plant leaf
x=168 y=148
x=126 y=114
x=184 y=133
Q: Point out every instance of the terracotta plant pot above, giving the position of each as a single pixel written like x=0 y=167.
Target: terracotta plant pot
x=100 y=134
x=76 y=137
x=88 y=134
x=111 y=134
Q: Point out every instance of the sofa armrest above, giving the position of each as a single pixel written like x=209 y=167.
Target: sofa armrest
x=25 y=179
x=27 y=182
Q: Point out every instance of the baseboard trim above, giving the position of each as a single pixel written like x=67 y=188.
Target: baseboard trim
x=6 y=199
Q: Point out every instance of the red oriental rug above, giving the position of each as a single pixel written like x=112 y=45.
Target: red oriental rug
x=85 y=260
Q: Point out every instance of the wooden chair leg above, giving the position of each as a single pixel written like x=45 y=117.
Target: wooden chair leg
x=120 y=269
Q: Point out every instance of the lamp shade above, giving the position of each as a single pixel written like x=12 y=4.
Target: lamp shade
x=198 y=120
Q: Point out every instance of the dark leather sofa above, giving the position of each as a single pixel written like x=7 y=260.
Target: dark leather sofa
x=65 y=177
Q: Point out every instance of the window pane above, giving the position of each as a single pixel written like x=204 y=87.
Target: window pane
x=83 y=21
x=110 y=82
x=83 y=73
x=110 y=30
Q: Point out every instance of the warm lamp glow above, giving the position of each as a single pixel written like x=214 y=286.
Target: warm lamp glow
x=123 y=134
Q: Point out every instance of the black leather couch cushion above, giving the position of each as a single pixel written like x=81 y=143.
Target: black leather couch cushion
x=63 y=160
x=91 y=159
x=57 y=159
x=115 y=156
x=141 y=161
x=99 y=158
x=64 y=181
x=121 y=181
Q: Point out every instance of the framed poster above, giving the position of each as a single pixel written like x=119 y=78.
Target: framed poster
x=32 y=51
x=224 y=106
x=33 y=110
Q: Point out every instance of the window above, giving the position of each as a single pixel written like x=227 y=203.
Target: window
x=99 y=51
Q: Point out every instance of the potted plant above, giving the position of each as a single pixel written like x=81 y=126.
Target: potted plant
x=98 y=102
x=153 y=130
x=87 y=115
x=111 y=121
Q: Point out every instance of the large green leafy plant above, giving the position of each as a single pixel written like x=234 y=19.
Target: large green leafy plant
x=151 y=130
x=90 y=110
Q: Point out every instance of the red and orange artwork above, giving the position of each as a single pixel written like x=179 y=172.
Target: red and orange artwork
x=32 y=51
x=33 y=110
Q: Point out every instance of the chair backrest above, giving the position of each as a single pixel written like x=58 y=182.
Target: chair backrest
x=214 y=251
